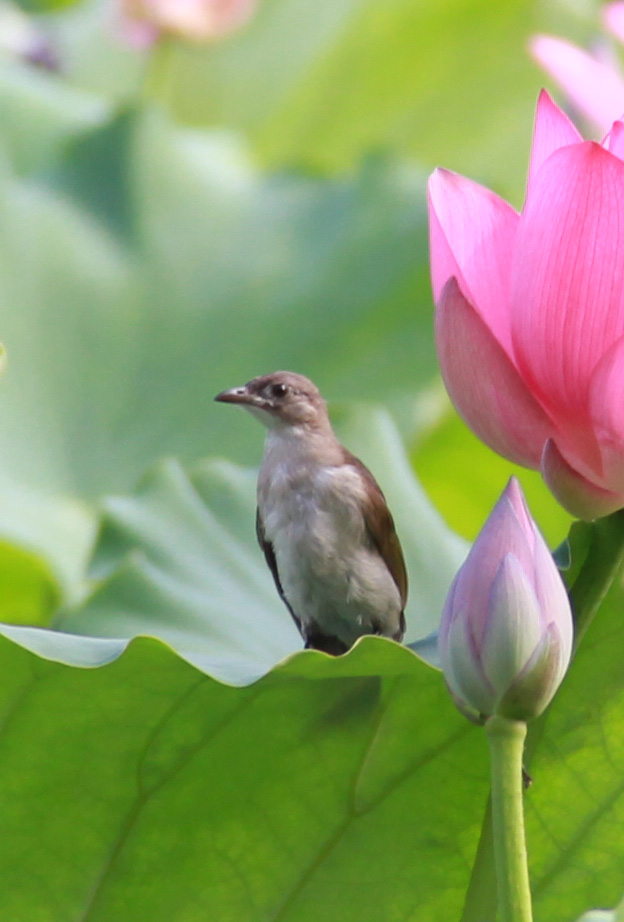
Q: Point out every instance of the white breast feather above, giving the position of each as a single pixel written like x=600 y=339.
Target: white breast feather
x=329 y=572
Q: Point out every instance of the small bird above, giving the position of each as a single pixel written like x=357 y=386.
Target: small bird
x=322 y=521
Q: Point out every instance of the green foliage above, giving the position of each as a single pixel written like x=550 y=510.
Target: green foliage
x=578 y=749
x=324 y=83
x=44 y=6
x=30 y=594
x=450 y=447
x=129 y=304
x=166 y=791
x=40 y=116
x=395 y=99
x=166 y=794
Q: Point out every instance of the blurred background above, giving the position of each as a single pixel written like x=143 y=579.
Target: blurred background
x=192 y=194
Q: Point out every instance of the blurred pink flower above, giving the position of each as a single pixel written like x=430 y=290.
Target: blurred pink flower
x=505 y=637
x=530 y=311
x=194 y=20
x=592 y=81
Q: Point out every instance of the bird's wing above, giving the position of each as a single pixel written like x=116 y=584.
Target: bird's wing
x=269 y=556
x=380 y=527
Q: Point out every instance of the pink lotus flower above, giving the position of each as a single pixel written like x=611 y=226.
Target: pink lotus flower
x=530 y=311
x=194 y=20
x=592 y=81
x=506 y=632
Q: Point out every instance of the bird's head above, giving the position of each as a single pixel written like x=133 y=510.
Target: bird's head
x=280 y=399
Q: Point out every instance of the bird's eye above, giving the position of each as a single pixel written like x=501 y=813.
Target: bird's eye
x=279 y=390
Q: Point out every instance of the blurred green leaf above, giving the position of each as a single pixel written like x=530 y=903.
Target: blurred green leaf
x=179 y=560
x=401 y=75
x=96 y=172
x=29 y=594
x=323 y=83
x=129 y=301
x=44 y=6
x=40 y=114
x=59 y=530
x=464 y=478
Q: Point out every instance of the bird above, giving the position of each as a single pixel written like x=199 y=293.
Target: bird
x=322 y=520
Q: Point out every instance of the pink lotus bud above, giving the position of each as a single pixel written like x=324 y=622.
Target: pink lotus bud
x=506 y=632
x=530 y=311
x=194 y=20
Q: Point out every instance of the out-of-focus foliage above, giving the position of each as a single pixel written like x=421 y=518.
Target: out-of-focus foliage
x=130 y=301
x=44 y=6
x=449 y=447
x=172 y=223
x=30 y=594
x=322 y=84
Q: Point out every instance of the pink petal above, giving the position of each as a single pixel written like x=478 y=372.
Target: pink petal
x=550 y=591
x=614 y=142
x=513 y=627
x=567 y=299
x=607 y=413
x=553 y=129
x=504 y=532
x=483 y=383
x=472 y=233
x=133 y=29
x=462 y=668
x=448 y=613
x=193 y=20
x=515 y=497
x=613 y=18
x=575 y=493
x=594 y=87
x=536 y=685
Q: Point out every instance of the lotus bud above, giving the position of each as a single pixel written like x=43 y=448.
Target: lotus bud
x=193 y=20
x=506 y=633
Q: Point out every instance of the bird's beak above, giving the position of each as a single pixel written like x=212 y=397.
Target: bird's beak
x=236 y=395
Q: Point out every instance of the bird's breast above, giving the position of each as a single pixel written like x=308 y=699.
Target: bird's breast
x=329 y=571
x=318 y=511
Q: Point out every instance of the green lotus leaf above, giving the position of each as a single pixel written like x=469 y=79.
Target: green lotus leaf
x=145 y=788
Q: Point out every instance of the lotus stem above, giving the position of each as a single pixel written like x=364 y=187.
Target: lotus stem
x=506 y=741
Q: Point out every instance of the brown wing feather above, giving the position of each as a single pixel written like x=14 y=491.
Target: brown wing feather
x=269 y=556
x=380 y=525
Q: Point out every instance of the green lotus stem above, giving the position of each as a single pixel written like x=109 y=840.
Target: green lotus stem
x=506 y=740
x=602 y=565
x=157 y=70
